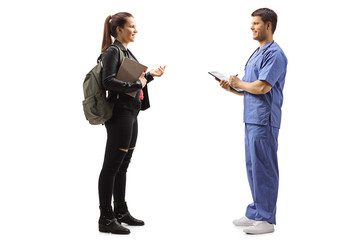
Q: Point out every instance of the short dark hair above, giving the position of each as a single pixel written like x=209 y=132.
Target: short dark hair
x=267 y=15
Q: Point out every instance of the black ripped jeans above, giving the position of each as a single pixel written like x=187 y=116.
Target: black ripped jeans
x=122 y=130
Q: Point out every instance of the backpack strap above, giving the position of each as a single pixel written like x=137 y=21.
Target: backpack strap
x=121 y=56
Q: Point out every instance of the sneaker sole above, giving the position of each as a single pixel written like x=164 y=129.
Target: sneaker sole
x=255 y=233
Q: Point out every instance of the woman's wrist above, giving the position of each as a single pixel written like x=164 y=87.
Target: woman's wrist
x=149 y=77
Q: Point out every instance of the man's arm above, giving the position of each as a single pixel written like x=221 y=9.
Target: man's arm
x=256 y=87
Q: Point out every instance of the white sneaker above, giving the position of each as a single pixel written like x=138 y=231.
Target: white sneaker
x=244 y=222
x=260 y=227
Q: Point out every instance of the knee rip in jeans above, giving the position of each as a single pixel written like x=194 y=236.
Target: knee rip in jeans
x=124 y=150
x=132 y=148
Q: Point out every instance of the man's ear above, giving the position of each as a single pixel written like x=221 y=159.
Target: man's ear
x=268 y=26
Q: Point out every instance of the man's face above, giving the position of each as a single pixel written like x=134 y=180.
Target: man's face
x=258 y=28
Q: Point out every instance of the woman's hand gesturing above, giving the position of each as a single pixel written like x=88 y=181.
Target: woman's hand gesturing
x=158 y=72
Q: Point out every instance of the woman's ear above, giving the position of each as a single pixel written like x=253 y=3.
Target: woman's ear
x=118 y=30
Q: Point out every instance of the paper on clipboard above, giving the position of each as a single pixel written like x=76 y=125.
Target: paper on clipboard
x=223 y=77
x=130 y=71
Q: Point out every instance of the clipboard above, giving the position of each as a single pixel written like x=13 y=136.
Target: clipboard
x=130 y=71
x=220 y=76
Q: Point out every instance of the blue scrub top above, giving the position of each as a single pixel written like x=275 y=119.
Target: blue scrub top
x=271 y=66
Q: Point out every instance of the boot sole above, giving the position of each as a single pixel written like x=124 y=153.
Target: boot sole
x=132 y=224
x=106 y=230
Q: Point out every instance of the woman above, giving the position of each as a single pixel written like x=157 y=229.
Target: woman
x=122 y=128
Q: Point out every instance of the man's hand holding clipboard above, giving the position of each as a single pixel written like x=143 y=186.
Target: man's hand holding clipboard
x=224 y=82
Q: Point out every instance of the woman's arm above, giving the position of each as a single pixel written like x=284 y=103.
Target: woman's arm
x=110 y=61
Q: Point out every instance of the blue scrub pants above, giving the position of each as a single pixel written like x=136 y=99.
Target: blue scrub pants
x=262 y=170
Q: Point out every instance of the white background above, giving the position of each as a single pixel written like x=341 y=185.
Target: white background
x=187 y=179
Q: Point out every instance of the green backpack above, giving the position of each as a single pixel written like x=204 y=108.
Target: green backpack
x=97 y=108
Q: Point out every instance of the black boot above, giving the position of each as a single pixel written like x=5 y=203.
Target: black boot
x=123 y=215
x=109 y=224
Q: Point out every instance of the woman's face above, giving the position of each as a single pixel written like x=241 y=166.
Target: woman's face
x=128 y=32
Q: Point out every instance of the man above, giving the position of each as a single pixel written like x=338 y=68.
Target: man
x=263 y=85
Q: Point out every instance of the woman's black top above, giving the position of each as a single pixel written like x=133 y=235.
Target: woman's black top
x=117 y=87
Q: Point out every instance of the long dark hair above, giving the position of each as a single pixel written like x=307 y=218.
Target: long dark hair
x=111 y=23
